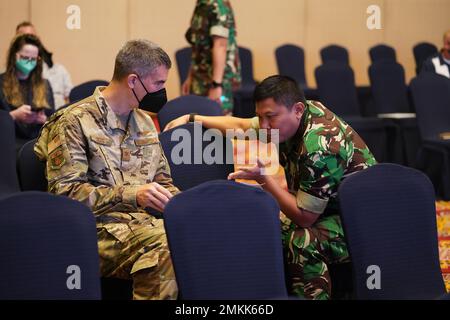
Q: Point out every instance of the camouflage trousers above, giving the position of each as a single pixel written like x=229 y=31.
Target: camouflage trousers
x=138 y=250
x=201 y=88
x=309 y=251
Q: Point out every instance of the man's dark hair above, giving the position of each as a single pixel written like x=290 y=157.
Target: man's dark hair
x=283 y=90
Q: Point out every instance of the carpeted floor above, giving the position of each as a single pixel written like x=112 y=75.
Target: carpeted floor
x=443 y=223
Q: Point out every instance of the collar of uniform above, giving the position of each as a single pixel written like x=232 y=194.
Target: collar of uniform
x=293 y=143
x=109 y=117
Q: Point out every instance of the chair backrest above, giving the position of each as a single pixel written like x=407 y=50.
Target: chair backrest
x=389 y=219
x=422 y=51
x=194 y=159
x=431 y=96
x=334 y=53
x=30 y=170
x=226 y=249
x=85 y=89
x=246 y=58
x=291 y=62
x=185 y=105
x=49 y=248
x=387 y=80
x=183 y=59
x=337 y=90
x=8 y=177
x=382 y=52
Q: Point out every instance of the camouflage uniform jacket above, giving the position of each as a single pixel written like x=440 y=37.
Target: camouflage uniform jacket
x=323 y=151
x=91 y=157
x=212 y=18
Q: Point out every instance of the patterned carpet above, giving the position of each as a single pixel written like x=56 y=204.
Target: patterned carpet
x=443 y=223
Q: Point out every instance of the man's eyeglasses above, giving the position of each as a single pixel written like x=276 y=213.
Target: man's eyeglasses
x=29 y=59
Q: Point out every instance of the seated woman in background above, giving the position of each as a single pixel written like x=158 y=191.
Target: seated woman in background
x=23 y=92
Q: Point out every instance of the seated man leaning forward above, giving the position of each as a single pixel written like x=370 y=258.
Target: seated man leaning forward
x=318 y=150
x=104 y=152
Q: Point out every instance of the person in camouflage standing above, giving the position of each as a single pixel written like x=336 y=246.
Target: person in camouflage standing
x=318 y=150
x=215 y=69
x=105 y=153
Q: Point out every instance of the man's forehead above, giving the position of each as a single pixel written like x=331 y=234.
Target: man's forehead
x=268 y=105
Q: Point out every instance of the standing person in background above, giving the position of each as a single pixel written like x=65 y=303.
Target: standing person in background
x=23 y=92
x=215 y=67
x=56 y=73
x=440 y=62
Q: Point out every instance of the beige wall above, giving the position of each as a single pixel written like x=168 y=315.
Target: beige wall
x=262 y=26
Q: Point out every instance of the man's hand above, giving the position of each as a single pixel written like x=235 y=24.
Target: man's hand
x=215 y=94
x=153 y=195
x=255 y=172
x=177 y=122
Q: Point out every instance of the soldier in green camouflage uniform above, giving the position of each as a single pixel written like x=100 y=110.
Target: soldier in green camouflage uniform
x=109 y=160
x=318 y=150
x=213 y=19
x=323 y=151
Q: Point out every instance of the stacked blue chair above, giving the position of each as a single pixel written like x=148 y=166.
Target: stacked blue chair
x=291 y=62
x=389 y=218
x=187 y=104
x=334 y=53
x=422 y=51
x=49 y=248
x=243 y=97
x=337 y=90
x=382 y=52
x=30 y=170
x=431 y=95
x=226 y=249
x=390 y=94
x=183 y=59
x=8 y=178
x=196 y=157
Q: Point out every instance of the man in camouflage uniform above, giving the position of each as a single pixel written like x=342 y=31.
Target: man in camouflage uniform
x=105 y=153
x=215 y=68
x=318 y=151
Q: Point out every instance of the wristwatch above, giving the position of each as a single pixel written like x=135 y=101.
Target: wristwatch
x=215 y=84
x=192 y=116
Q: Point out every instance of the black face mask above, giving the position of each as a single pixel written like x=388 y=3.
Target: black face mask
x=152 y=102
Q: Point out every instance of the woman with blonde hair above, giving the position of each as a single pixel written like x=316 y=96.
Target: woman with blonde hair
x=24 y=93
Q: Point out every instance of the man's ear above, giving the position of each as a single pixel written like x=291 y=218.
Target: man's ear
x=299 y=108
x=131 y=80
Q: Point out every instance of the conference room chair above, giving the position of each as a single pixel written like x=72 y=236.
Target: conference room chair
x=85 y=89
x=188 y=104
x=431 y=96
x=8 y=177
x=196 y=155
x=389 y=218
x=226 y=249
x=422 y=51
x=49 y=249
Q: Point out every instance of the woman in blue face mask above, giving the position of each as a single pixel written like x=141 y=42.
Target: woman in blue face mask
x=23 y=92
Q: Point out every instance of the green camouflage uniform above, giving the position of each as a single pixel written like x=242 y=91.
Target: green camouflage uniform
x=324 y=151
x=94 y=157
x=213 y=18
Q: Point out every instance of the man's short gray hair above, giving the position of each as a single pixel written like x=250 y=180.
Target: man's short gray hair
x=141 y=57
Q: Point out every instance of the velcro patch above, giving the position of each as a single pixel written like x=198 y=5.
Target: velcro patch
x=56 y=158
x=101 y=139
